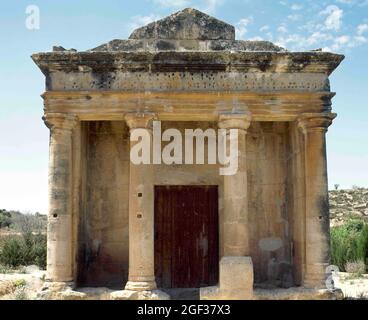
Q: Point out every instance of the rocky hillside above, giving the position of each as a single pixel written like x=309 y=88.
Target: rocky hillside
x=347 y=204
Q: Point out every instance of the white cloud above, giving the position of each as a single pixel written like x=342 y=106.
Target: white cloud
x=241 y=26
x=334 y=17
x=360 y=40
x=327 y=41
x=362 y=28
x=294 y=17
x=269 y=35
x=264 y=28
x=139 y=21
x=318 y=37
x=342 y=40
x=345 y=41
x=282 y=29
x=296 y=7
x=172 y=3
x=345 y=1
x=210 y=6
x=359 y=3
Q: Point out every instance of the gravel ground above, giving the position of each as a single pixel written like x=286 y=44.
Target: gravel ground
x=21 y=286
x=353 y=287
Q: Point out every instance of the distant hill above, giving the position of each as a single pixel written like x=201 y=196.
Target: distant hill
x=347 y=204
x=20 y=222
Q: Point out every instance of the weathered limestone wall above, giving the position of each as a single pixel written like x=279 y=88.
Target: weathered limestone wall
x=103 y=255
x=269 y=217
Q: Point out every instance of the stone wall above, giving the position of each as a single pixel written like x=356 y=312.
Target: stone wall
x=103 y=254
x=269 y=215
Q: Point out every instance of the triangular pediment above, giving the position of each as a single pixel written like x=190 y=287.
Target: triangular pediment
x=188 y=24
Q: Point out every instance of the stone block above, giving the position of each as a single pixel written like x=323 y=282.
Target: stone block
x=242 y=267
x=124 y=295
x=236 y=280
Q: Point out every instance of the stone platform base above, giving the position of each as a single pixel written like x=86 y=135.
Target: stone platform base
x=63 y=291
x=294 y=293
x=297 y=293
x=66 y=292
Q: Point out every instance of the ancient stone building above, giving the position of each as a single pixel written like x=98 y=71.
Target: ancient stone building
x=141 y=230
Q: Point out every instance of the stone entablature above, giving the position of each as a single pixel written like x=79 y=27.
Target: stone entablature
x=176 y=106
x=187 y=71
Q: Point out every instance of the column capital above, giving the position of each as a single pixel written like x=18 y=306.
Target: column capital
x=234 y=121
x=60 y=121
x=137 y=120
x=315 y=121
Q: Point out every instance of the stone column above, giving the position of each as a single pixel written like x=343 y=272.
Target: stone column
x=141 y=213
x=236 y=267
x=59 y=228
x=236 y=233
x=317 y=222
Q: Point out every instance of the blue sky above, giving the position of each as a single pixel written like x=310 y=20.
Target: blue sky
x=335 y=25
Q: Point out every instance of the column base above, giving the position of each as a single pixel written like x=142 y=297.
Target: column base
x=141 y=285
x=139 y=295
x=316 y=275
x=315 y=281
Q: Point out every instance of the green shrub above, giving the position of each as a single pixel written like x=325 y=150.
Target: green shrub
x=12 y=253
x=349 y=243
x=29 y=249
x=39 y=251
x=20 y=283
x=5 y=269
x=5 y=219
x=362 y=244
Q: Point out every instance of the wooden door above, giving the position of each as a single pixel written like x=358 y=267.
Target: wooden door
x=186 y=236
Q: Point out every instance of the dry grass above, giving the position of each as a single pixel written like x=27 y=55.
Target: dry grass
x=7 y=287
x=355 y=267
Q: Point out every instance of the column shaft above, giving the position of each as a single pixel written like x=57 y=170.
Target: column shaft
x=59 y=228
x=236 y=226
x=317 y=223
x=141 y=215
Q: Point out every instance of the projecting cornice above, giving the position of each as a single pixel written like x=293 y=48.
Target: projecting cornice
x=224 y=61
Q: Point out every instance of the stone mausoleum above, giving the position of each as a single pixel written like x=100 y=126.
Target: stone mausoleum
x=118 y=230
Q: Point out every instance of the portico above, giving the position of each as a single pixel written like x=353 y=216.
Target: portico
x=273 y=219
